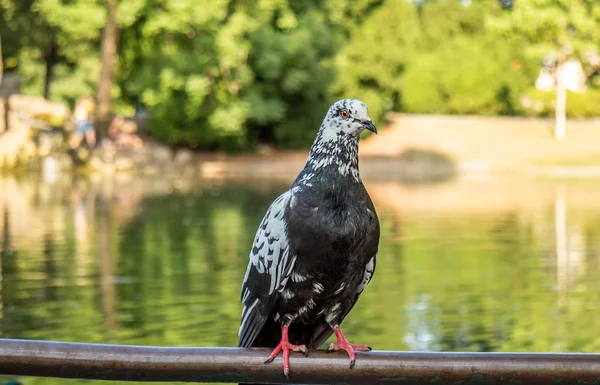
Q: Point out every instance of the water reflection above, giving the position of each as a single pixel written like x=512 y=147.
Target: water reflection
x=481 y=265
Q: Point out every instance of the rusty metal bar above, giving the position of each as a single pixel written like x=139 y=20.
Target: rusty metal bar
x=162 y=364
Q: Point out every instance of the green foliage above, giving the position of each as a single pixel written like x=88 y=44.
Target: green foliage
x=432 y=86
x=226 y=74
x=549 y=25
x=33 y=27
x=579 y=105
x=290 y=91
x=435 y=59
x=556 y=29
x=371 y=64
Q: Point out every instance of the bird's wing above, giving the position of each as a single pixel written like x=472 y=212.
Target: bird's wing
x=268 y=270
x=322 y=330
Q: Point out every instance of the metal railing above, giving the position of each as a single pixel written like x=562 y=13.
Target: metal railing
x=162 y=364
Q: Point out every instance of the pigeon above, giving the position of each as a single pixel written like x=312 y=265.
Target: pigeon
x=315 y=250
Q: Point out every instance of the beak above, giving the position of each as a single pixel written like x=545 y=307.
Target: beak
x=369 y=126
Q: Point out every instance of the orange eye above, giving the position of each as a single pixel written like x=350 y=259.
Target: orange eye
x=344 y=114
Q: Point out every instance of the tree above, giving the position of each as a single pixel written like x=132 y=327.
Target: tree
x=431 y=57
x=109 y=54
x=53 y=43
x=50 y=58
x=371 y=63
x=230 y=73
x=1 y=61
x=557 y=28
x=32 y=33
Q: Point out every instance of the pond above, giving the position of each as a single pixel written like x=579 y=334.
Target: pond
x=474 y=264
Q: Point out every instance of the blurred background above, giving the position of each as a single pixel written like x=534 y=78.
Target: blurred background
x=142 y=141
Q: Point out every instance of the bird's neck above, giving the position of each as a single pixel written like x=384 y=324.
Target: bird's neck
x=332 y=158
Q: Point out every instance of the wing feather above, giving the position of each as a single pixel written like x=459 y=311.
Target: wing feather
x=268 y=269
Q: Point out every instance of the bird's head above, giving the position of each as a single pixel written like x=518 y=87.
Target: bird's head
x=347 y=116
x=336 y=144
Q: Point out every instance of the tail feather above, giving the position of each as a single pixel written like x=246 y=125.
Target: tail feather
x=268 y=337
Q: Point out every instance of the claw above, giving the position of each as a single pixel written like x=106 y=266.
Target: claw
x=343 y=344
x=269 y=360
x=285 y=346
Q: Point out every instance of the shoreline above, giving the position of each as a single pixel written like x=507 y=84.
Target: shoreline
x=410 y=148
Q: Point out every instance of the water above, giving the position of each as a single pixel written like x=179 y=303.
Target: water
x=506 y=264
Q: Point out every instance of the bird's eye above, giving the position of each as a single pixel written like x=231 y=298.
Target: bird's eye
x=344 y=114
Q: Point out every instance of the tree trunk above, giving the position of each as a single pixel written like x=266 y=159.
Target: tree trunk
x=1 y=62
x=50 y=59
x=110 y=38
x=3 y=109
x=561 y=104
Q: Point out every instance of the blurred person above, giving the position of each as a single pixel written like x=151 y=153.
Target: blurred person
x=122 y=132
x=115 y=126
x=84 y=110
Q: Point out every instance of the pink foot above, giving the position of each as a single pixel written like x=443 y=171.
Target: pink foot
x=343 y=344
x=286 y=347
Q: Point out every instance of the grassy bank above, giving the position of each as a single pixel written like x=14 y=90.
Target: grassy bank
x=418 y=148
x=491 y=143
x=415 y=148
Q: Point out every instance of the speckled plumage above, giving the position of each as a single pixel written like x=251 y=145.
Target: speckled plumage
x=316 y=248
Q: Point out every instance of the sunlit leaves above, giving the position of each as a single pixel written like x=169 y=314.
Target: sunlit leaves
x=228 y=73
x=219 y=71
x=438 y=57
x=78 y=20
x=550 y=25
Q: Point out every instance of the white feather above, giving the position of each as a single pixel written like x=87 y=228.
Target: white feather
x=287 y=294
x=245 y=312
x=333 y=313
x=367 y=275
x=340 y=289
x=270 y=254
x=318 y=287
x=297 y=277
